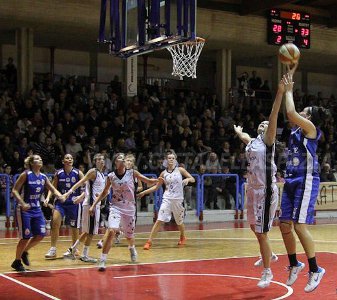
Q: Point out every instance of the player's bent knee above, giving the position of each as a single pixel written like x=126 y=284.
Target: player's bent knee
x=286 y=227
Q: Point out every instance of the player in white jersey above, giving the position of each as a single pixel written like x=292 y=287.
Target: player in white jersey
x=95 y=182
x=262 y=192
x=123 y=205
x=173 y=197
x=129 y=164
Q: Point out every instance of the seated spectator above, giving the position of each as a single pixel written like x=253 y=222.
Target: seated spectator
x=327 y=174
x=212 y=162
x=73 y=148
x=226 y=187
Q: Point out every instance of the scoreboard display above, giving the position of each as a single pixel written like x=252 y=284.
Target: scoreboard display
x=289 y=27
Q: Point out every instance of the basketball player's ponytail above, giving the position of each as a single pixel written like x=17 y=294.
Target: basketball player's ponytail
x=319 y=114
x=28 y=162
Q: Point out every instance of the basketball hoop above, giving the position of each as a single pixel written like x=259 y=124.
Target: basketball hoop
x=185 y=57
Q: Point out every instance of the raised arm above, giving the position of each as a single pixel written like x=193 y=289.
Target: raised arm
x=307 y=126
x=270 y=134
x=243 y=136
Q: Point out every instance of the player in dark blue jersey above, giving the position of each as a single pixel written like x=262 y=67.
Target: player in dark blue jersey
x=302 y=186
x=28 y=191
x=64 y=179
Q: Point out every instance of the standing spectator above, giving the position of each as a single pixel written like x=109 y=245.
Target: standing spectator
x=11 y=73
x=7 y=170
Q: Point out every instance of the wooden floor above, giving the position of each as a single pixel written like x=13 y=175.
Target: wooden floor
x=223 y=242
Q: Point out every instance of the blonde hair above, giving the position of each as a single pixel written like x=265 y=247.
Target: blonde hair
x=131 y=156
x=29 y=161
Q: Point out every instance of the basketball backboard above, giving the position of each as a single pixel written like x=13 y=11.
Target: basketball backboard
x=141 y=26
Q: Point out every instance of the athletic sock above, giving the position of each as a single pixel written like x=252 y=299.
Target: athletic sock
x=85 y=251
x=104 y=256
x=293 y=260
x=313 y=264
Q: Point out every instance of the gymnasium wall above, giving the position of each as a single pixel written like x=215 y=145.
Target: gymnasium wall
x=69 y=62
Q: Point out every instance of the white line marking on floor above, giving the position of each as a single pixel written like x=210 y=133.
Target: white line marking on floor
x=29 y=287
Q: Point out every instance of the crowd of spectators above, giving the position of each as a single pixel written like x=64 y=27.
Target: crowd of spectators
x=71 y=116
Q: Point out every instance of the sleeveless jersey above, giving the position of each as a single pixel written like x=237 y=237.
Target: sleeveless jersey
x=261 y=165
x=123 y=192
x=66 y=181
x=174 y=185
x=34 y=188
x=302 y=157
x=94 y=188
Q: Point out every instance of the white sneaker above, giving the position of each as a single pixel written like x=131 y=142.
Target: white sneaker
x=133 y=254
x=259 y=262
x=99 y=244
x=293 y=273
x=101 y=265
x=88 y=259
x=48 y=227
x=51 y=253
x=70 y=253
x=266 y=278
x=314 y=280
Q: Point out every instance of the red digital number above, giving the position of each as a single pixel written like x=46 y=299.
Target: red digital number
x=279 y=39
x=277 y=28
x=305 y=31
x=296 y=16
x=305 y=41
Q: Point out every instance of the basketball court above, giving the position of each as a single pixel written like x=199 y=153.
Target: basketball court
x=217 y=263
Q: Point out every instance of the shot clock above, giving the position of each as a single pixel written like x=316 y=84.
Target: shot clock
x=289 y=27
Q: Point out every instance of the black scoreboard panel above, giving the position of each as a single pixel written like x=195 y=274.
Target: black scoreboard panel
x=289 y=27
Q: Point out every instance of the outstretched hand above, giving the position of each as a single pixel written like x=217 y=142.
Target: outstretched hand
x=140 y=195
x=238 y=129
x=292 y=68
x=288 y=82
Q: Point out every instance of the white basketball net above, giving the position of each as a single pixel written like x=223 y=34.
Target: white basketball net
x=185 y=57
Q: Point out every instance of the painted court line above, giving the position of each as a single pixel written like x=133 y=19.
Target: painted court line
x=29 y=287
x=151 y=263
x=290 y=291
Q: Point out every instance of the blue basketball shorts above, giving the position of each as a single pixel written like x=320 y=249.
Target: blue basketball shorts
x=299 y=198
x=30 y=223
x=72 y=212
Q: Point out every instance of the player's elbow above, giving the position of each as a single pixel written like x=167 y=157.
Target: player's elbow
x=291 y=114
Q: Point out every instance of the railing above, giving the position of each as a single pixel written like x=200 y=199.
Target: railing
x=158 y=195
